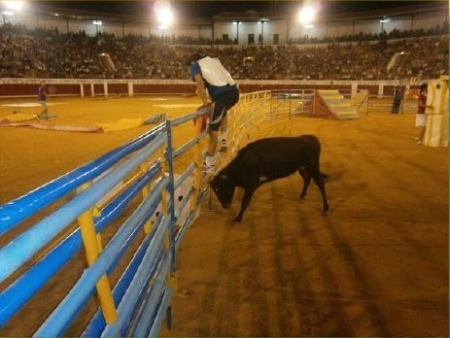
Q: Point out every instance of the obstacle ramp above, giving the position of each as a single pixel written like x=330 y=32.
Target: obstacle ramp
x=332 y=103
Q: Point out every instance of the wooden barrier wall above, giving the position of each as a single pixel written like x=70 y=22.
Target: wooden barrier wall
x=16 y=88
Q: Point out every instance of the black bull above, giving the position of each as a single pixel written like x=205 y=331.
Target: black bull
x=266 y=160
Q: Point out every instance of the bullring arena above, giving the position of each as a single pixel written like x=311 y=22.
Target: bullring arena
x=376 y=265
x=108 y=227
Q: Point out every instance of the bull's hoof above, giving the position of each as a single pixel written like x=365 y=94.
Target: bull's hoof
x=237 y=219
x=302 y=197
x=325 y=212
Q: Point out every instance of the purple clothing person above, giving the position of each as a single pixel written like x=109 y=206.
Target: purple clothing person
x=42 y=98
x=42 y=95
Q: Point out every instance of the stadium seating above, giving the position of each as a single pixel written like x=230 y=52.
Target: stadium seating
x=76 y=55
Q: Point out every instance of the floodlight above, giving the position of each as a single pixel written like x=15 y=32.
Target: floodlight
x=163 y=12
x=8 y=13
x=307 y=14
x=14 y=5
x=97 y=22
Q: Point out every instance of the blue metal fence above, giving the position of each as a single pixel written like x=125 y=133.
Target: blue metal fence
x=141 y=182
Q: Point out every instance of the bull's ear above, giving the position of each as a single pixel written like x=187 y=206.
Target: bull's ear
x=224 y=177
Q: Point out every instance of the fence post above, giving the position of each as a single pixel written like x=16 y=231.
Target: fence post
x=290 y=104
x=145 y=193
x=171 y=189
x=198 y=161
x=92 y=245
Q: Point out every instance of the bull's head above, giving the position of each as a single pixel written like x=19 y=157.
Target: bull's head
x=223 y=187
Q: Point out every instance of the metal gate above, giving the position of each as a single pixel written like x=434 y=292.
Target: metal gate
x=292 y=102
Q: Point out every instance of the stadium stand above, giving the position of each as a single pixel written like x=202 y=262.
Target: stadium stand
x=44 y=53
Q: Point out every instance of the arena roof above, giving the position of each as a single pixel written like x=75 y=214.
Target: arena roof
x=206 y=11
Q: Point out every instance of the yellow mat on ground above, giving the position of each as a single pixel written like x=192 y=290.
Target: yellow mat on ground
x=31 y=121
x=18 y=117
x=122 y=124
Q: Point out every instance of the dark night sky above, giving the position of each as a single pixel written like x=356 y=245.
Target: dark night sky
x=196 y=9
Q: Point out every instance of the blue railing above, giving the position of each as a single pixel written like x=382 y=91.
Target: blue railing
x=115 y=199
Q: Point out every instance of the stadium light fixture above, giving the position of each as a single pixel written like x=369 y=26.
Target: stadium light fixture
x=10 y=7
x=307 y=14
x=14 y=5
x=163 y=12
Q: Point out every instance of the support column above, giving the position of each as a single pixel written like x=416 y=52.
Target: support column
x=436 y=131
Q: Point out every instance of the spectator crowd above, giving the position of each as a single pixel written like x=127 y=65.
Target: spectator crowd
x=43 y=53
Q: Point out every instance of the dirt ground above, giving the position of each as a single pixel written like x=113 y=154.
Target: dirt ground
x=376 y=265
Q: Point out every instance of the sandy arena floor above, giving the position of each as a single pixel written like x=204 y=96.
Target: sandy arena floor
x=377 y=265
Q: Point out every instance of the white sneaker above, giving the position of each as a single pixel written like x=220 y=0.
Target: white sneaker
x=223 y=146
x=208 y=170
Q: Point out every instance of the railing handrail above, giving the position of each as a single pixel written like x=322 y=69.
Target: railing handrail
x=105 y=187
